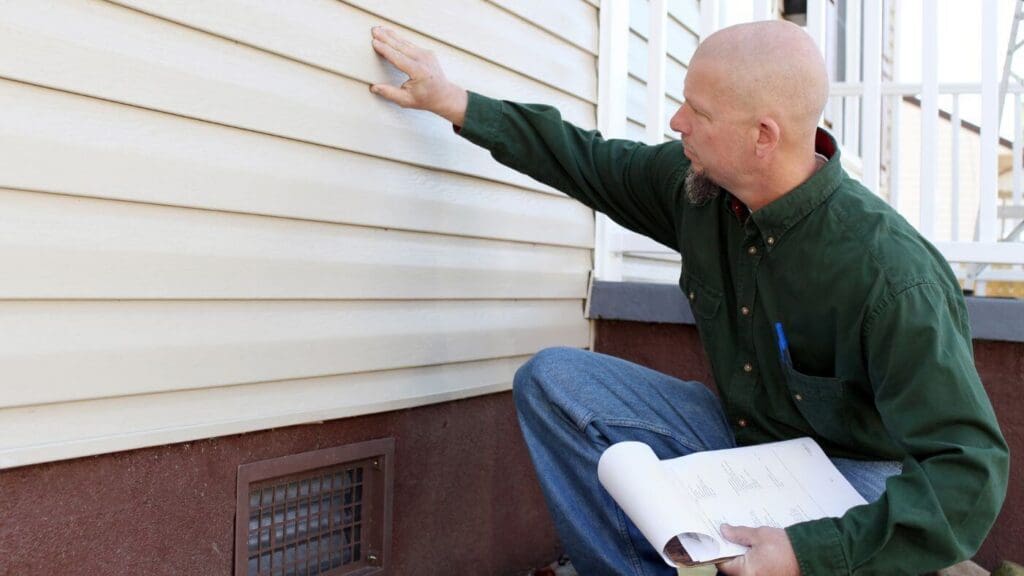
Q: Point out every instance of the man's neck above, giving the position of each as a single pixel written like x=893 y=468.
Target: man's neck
x=770 y=187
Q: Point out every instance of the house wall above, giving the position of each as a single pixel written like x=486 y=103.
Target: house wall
x=210 y=226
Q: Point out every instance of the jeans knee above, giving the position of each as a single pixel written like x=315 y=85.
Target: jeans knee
x=530 y=378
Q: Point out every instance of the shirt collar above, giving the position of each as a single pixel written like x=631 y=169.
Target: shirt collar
x=775 y=219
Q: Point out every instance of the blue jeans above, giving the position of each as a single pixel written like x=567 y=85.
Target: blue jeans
x=572 y=404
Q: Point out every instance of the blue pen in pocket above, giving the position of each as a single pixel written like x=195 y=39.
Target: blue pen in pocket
x=787 y=360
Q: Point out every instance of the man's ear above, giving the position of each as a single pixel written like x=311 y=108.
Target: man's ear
x=768 y=136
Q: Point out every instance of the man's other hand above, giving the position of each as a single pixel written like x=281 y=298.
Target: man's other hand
x=770 y=552
x=427 y=87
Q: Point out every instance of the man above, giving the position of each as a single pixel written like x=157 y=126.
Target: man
x=771 y=230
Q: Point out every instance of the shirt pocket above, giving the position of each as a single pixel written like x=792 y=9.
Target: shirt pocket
x=704 y=302
x=824 y=402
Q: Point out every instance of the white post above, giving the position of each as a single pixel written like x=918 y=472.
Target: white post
x=613 y=51
x=871 y=120
x=839 y=127
x=816 y=22
x=657 y=23
x=762 y=10
x=851 y=107
x=894 y=153
x=989 y=124
x=708 y=18
x=929 y=117
x=955 y=201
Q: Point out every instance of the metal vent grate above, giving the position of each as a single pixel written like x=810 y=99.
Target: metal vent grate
x=324 y=513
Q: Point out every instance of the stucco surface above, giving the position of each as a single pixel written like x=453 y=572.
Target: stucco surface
x=466 y=499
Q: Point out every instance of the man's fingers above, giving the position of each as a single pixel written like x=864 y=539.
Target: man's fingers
x=401 y=44
x=734 y=566
x=739 y=534
x=400 y=60
x=396 y=95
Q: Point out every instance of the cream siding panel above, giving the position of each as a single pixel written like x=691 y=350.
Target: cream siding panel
x=109 y=52
x=75 y=350
x=94 y=249
x=28 y=434
x=536 y=55
x=213 y=227
x=59 y=142
x=574 y=21
x=334 y=36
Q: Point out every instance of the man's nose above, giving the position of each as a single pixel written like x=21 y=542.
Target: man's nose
x=678 y=122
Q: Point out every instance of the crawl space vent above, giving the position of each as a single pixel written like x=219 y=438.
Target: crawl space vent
x=324 y=513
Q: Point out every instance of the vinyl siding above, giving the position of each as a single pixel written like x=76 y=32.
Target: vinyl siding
x=211 y=226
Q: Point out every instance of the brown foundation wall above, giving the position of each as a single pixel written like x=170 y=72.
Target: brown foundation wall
x=466 y=499
x=675 y=349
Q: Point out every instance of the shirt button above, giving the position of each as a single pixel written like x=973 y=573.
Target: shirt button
x=752 y=250
x=745 y=311
x=742 y=422
x=770 y=240
x=692 y=296
x=748 y=367
x=798 y=397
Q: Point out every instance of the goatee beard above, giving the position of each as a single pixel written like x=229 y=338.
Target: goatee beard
x=700 y=189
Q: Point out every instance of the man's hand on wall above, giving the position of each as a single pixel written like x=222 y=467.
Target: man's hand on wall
x=427 y=87
x=770 y=552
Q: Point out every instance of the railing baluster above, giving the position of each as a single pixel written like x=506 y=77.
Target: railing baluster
x=929 y=117
x=871 y=120
x=839 y=126
x=955 y=191
x=894 y=153
x=989 y=124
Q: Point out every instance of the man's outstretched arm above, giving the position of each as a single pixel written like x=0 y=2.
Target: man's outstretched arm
x=636 y=185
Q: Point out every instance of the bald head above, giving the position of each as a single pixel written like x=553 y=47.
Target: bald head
x=767 y=68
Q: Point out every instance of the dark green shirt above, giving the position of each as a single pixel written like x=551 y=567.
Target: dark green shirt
x=882 y=363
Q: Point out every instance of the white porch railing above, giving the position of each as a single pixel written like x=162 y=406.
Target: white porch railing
x=856 y=118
